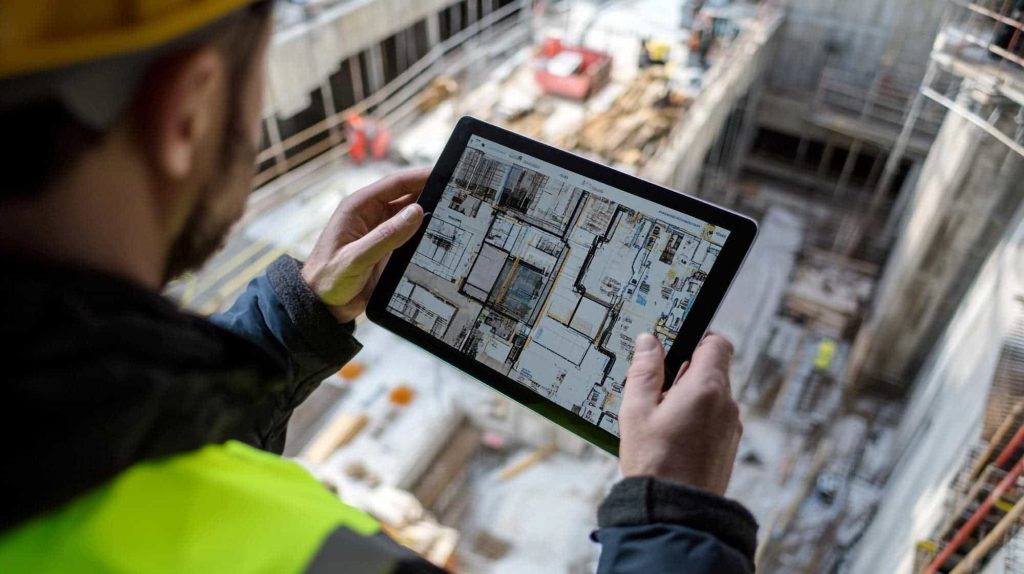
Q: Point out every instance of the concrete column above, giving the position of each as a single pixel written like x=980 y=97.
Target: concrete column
x=274 y=134
x=745 y=139
x=892 y=221
x=801 y=150
x=848 y=165
x=327 y=96
x=968 y=188
x=455 y=24
x=375 y=63
x=411 y=53
x=876 y=168
x=355 y=69
x=826 y=156
x=434 y=29
x=401 y=52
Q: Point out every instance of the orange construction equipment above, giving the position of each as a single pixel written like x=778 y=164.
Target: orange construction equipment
x=571 y=71
x=368 y=137
x=351 y=370
x=402 y=395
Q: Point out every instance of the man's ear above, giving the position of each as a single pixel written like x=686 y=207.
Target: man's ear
x=182 y=111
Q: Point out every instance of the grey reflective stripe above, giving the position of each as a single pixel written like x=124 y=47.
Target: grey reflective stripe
x=348 y=552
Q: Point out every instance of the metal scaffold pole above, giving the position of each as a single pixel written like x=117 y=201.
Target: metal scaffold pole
x=892 y=166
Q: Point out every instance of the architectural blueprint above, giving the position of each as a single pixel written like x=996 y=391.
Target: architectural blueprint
x=537 y=273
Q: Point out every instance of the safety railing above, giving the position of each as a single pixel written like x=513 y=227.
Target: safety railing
x=397 y=94
x=879 y=97
x=993 y=25
x=981 y=48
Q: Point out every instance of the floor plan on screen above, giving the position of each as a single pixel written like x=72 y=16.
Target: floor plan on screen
x=537 y=273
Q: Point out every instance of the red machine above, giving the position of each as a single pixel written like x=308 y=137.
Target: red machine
x=571 y=71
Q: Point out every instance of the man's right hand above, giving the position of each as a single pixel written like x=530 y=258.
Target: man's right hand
x=352 y=250
x=688 y=433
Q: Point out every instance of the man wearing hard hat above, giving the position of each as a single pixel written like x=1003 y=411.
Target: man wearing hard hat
x=140 y=438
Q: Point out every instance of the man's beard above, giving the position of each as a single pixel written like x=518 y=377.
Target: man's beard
x=207 y=226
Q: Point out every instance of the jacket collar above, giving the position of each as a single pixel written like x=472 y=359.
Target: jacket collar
x=101 y=374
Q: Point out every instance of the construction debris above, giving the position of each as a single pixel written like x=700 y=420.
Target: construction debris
x=628 y=132
x=437 y=92
x=405 y=520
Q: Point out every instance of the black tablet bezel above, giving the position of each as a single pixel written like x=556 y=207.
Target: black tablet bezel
x=742 y=231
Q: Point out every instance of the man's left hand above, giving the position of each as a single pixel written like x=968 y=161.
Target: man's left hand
x=366 y=227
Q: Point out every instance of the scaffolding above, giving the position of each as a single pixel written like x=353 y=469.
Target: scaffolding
x=493 y=31
x=976 y=70
x=977 y=67
x=861 y=105
x=987 y=502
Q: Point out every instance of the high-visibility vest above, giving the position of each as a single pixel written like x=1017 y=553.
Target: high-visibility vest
x=222 y=508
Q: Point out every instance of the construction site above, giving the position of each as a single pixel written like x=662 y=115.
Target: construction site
x=878 y=321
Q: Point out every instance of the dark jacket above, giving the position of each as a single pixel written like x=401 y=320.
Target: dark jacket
x=102 y=375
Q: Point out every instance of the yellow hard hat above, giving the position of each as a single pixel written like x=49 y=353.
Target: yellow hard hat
x=39 y=35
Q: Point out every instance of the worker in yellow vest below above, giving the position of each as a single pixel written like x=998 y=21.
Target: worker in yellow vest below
x=140 y=438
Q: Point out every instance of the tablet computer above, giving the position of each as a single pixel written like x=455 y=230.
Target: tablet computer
x=535 y=269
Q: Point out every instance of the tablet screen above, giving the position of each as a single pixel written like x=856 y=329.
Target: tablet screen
x=547 y=276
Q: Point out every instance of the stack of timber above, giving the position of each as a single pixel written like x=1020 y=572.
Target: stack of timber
x=630 y=130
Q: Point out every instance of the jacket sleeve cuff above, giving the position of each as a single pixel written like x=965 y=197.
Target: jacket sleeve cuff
x=331 y=340
x=643 y=500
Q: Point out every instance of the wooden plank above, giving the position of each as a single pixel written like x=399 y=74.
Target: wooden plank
x=528 y=461
x=339 y=432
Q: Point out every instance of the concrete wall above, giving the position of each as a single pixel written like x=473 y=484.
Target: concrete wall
x=855 y=41
x=746 y=315
x=944 y=416
x=969 y=186
x=302 y=55
x=859 y=31
x=726 y=83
